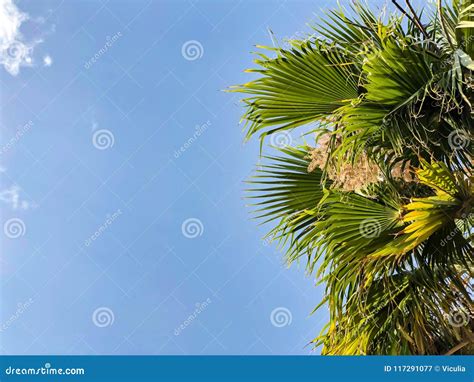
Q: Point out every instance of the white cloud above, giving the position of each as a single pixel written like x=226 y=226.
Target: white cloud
x=11 y=197
x=14 y=51
x=47 y=60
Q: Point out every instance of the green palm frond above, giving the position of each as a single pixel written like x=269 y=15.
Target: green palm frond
x=285 y=191
x=283 y=98
x=284 y=186
x=465 y=26
x=411 y=312
x=397 y=73
x=357 y=29
x=386 y=214
x=453 y=199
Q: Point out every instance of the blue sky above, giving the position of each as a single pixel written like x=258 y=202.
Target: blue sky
x=124 y=225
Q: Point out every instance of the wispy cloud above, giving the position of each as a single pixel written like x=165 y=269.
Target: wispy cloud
x=15 y=52
x=11 y=197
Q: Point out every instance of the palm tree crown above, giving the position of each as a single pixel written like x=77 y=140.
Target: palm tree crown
x=380 y=206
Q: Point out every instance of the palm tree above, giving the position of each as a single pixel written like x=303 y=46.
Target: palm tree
x=380 y=205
